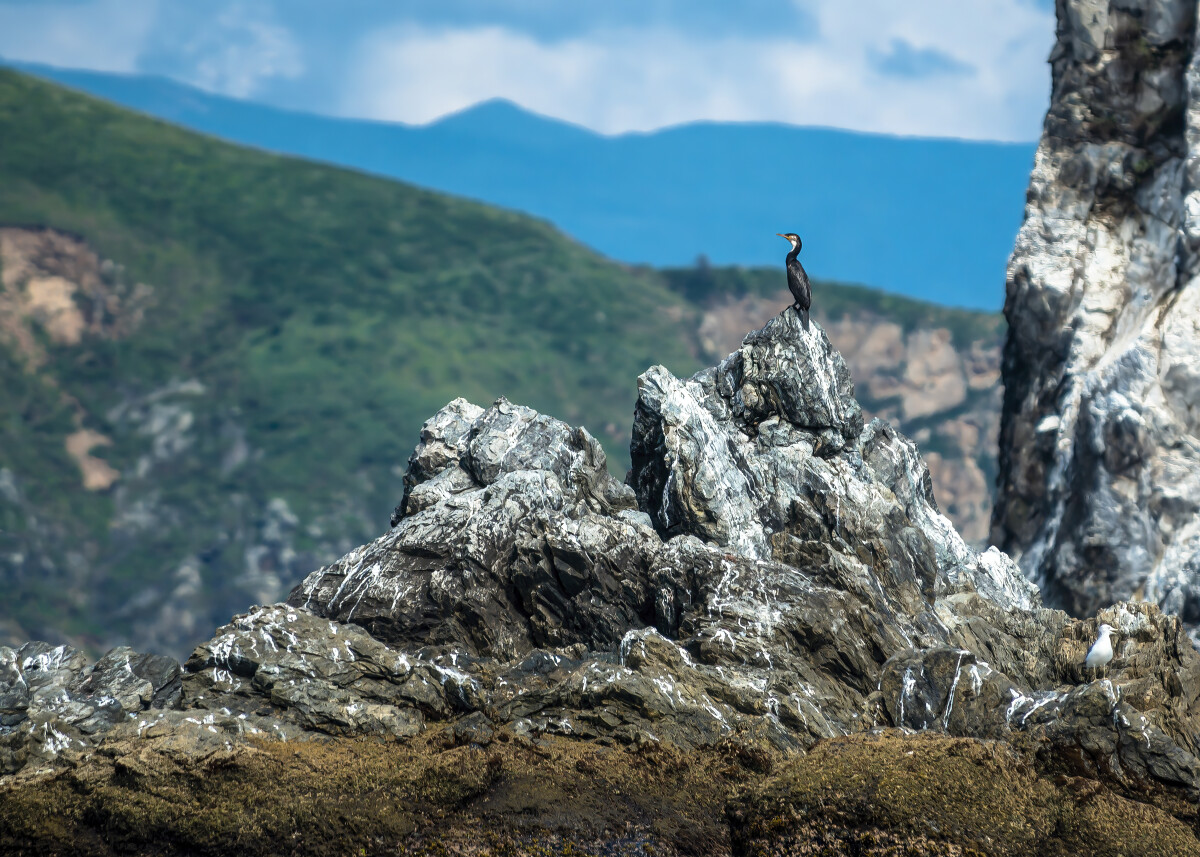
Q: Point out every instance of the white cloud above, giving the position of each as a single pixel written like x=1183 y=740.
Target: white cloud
x=618 y=80
x=230 y=47
x=103 y=35
x=241 y=51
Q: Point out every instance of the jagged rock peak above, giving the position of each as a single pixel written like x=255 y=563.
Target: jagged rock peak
x=463 y=446
x=749 y=453
x=1100 y=442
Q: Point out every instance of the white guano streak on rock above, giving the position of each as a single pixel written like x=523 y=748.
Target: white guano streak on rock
x=953 y=688
x=908 y=685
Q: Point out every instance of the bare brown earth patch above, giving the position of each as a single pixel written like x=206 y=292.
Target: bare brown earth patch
x=98 y=474
x=54 y=282
x=56 y=291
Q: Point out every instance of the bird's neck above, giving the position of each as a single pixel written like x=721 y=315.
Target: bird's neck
x=791 y=257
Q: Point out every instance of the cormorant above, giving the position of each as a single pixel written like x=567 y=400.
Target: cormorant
x=797 y=278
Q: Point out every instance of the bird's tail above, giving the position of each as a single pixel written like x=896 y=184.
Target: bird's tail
x=804 y=318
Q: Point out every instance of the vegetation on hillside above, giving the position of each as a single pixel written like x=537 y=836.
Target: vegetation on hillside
x=325 y=314
x=273 y=273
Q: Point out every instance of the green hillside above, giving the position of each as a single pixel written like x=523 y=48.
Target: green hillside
x=261 y=339
x=326 y=313
x=274 y=272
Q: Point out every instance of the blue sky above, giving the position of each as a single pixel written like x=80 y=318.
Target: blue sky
x=974 y=69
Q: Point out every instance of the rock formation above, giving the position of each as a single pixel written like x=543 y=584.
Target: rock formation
x=773 y=573
x=937 y=385
x=1100 y=444
x=128 y=445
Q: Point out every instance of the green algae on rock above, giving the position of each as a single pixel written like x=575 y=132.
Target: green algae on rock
x=893 y=794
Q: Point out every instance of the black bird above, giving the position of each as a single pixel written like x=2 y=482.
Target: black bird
x=797 y=278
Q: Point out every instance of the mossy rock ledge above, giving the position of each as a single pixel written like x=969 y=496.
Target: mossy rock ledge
x=767 y=640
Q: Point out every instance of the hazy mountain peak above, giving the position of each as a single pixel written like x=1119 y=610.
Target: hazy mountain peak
x=500 y=119
x=866 y=205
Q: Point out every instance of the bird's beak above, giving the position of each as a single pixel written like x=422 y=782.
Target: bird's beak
x=780 y=234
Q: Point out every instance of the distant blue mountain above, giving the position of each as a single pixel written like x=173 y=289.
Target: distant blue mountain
x=934 y=219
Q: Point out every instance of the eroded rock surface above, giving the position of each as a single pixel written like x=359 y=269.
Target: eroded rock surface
x=774 y=573
x=1100 y=447
x=939 y=387
x=52 y=701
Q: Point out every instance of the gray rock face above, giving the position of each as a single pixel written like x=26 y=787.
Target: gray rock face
x=775 y=573
x=939 y=386
x=51 y=701
x=1100 y=441
x=701 y=451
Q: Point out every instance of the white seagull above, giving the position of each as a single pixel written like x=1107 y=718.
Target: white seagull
x=1101 y=651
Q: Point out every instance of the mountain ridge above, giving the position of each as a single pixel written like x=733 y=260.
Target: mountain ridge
x=931 y=218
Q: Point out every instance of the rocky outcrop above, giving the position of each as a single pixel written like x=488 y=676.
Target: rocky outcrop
x=773 y=554
x=938 y=386
x=774 y=573
x=1100 y=446
x=52 y=701
x=191 y=506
